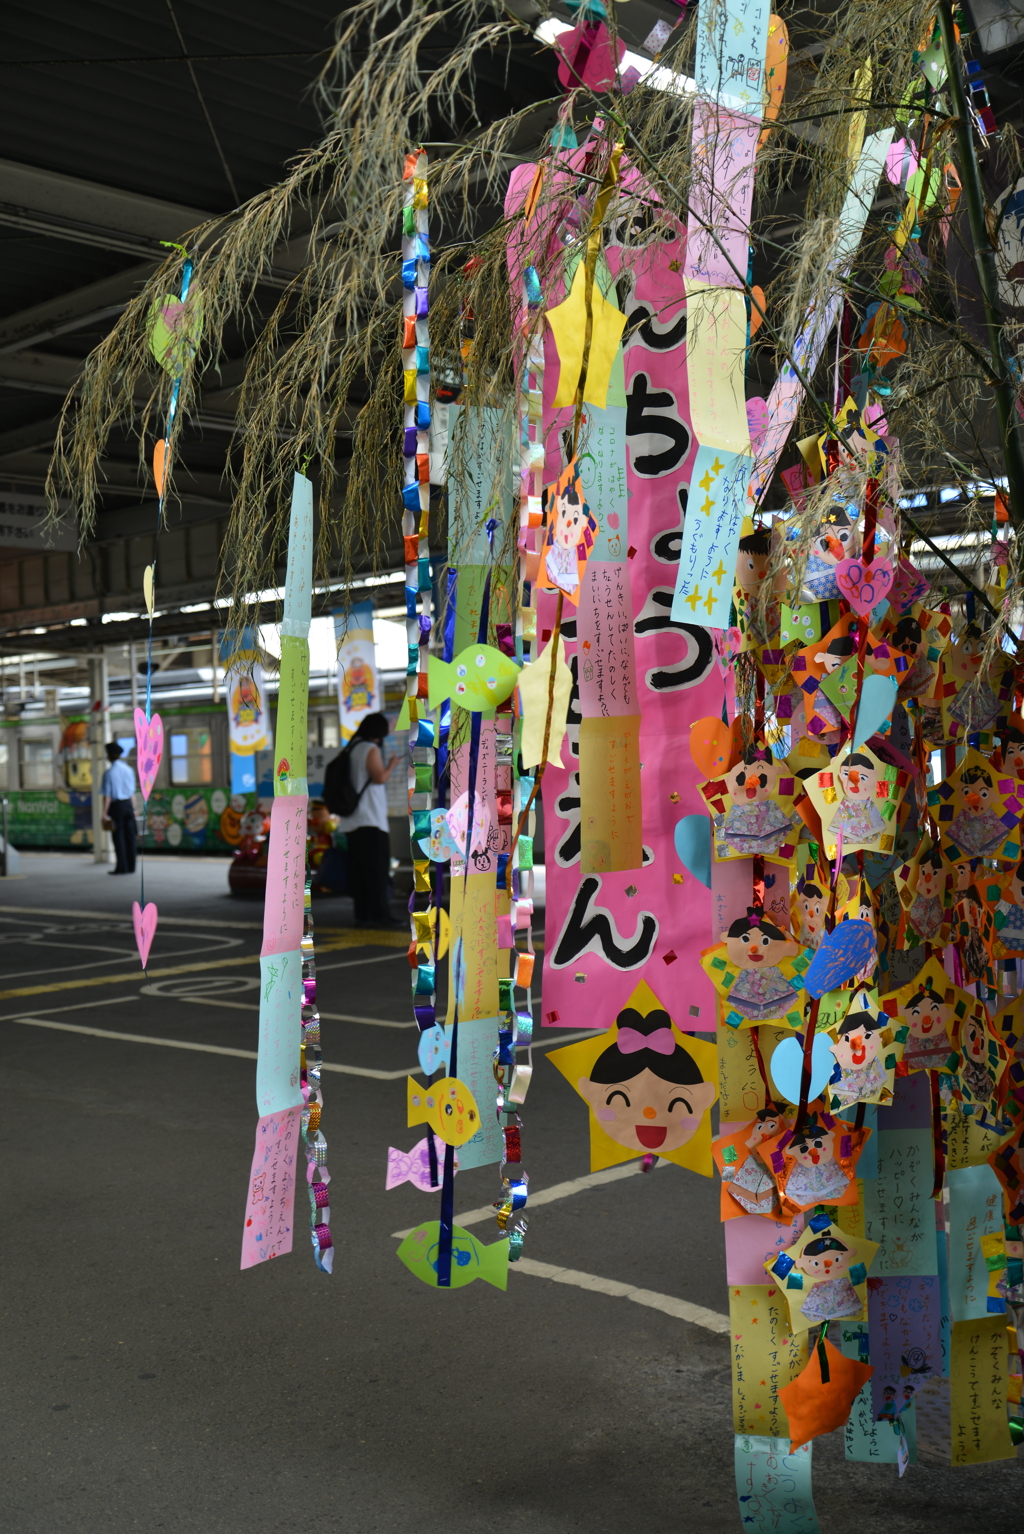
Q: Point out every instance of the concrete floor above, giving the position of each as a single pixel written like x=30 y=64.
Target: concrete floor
x=151 y=1384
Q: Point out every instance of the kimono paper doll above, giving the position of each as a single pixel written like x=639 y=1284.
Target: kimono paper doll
x=927 y=913
x=571 y=531
x=816 y=1164
x=1009 y=917
x=857 y=795
x=823 y=1274
x=976 y=1066
x=1007 y=1161
x=747 y=1186
x=973 y=930
x=834 y=542
x=812 y=908
x=649 y=1088
x=930 y=1007
x=970 y=704
x=867 y=1050
x=755 y=823
x=978 y=828
x=752 y=561
x=1011 y=747
x=758 y=973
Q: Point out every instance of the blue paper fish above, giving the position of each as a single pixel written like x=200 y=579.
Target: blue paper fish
x=478 y=679
x=470 y=1258
x=435 y=1049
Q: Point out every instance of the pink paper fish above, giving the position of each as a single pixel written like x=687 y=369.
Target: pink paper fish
x=414 y=1166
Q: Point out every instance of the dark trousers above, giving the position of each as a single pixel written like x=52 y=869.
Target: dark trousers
x=122 y=824
x=369 y=857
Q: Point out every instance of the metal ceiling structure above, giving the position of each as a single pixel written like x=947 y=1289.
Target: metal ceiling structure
x=124 y=124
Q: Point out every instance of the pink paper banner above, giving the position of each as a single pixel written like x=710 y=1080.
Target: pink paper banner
x=606 y=932
x=270 y=1204
x=286 y=875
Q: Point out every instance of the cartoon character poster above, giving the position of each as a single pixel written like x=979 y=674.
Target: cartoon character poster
x=359 y=691
x=248 y=716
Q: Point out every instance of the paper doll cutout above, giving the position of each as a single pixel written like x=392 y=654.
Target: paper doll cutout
x=1011 y=747
x=1008 y=916
x=756 y=968
x=816 y=1164
x=867 y=1051
x=755 y=822
x=858 y=795
x=747 y=1186
x=571 y=531
x=973 y=931
x=823 y=1274
x=1007 y=1161
x=930 y=1007
x=976 y=1067
x=812 y=908
x=835 y=540
x=927 y=913
x=978 y=811
x=970 y=704
x=648 y=1086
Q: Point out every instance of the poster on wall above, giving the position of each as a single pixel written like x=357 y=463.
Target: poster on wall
x=359 y=690
x=248 y=722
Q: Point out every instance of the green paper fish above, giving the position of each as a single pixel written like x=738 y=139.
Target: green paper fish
x=477 y=680
x=470 y=1258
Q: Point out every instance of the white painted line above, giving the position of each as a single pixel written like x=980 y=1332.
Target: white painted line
x=165 y=921
x=697 y=1315
x=78 y=1006
x=548 y=1195
x=205 y=1049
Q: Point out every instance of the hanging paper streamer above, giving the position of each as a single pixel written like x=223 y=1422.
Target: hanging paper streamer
x=359 y=691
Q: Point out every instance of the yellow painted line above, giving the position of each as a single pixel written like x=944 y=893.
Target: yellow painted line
x=369 y=939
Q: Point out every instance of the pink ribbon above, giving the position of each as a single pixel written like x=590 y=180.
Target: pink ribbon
x=662 y=1041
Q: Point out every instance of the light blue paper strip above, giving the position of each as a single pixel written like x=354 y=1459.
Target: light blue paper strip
x=277 y=1064
x=731 y=40
x=602 y=461
x=898 y=1208
x=866 y=1439
x=480 y=443
x=715 y=509
x=975 y=1210
x=774 y=1487
x=478 y=1039
x=298 y=583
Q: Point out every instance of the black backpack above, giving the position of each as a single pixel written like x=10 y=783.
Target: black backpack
x=339 y=794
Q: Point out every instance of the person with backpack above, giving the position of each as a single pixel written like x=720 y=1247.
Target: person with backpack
x=354 y=791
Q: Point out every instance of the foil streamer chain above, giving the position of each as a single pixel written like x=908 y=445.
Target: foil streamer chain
x=425 y=922
x=311 y=1061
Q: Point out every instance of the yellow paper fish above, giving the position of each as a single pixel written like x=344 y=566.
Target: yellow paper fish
x=448 y=1106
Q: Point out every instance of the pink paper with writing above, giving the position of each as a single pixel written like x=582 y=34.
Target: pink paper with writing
x=270 y=1200
x=721 y=192
x=286 y=874
x=605 y=932
x=605 y=646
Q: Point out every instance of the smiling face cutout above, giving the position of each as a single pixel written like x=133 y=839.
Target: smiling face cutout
x=648 y=1086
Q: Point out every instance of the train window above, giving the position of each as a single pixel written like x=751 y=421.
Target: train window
x=191 y=756
x=5 y=768
x=37 y=763
x=329 y=728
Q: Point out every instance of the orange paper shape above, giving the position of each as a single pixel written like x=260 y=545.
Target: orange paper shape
x=716 y=746
x=814 y=1406
x=160 y=465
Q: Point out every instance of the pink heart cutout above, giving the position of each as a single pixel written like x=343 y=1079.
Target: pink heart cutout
x=864 y=586
x=144 y=921
x=149 y=740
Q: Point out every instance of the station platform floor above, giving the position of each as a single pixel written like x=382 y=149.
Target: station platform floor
x=150 y=1384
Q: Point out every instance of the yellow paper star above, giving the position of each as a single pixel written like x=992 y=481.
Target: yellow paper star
x=693 y=599
x=717 y=575
x=568 y=321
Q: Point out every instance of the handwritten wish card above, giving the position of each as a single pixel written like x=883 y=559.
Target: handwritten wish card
x=478 y=1039
x=898 y=1209
x=773 y=1486
x=277 y=1065
x=286 y=875
x=766 y=1356
x=270 y=1202
x=978 y=1388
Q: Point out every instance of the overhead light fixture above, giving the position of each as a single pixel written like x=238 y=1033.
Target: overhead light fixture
x=655 y=75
